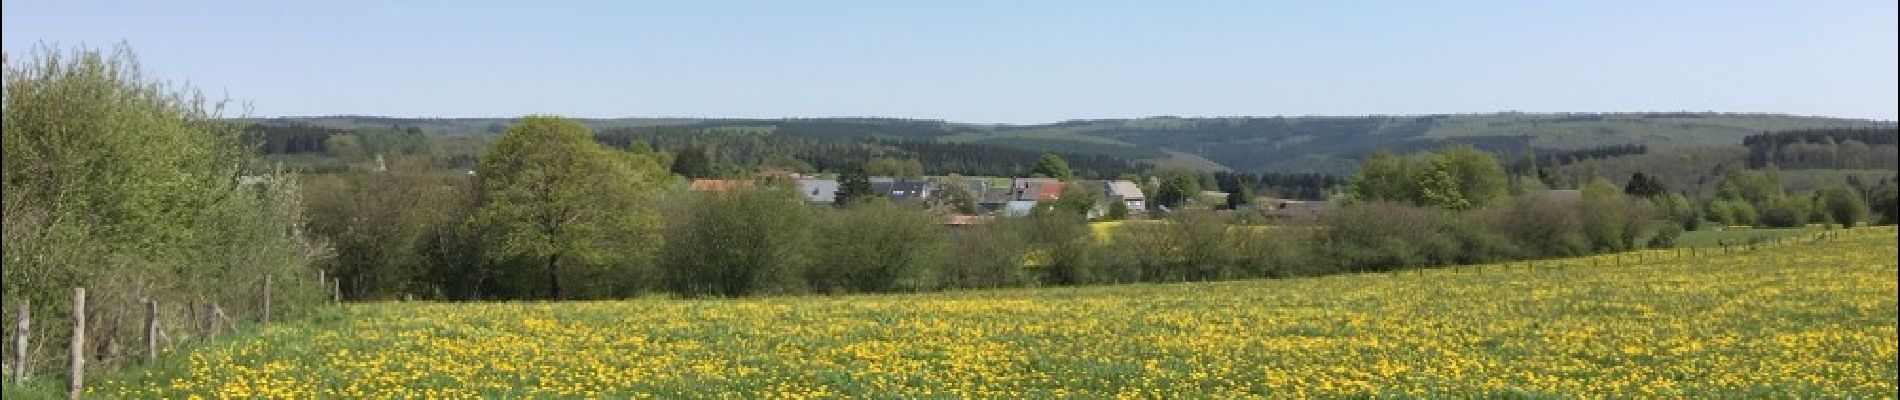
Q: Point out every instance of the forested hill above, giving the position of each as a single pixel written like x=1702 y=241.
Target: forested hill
x=1258 y=144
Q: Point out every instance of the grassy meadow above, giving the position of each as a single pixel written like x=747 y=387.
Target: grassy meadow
x=1803 y=320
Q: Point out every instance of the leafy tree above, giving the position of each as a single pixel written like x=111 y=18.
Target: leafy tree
x=1842 y=205
x=1078 y=199
x=853 y=188
x=1383 y=177
x=1439 y=187
x=552 y=195
x=1481 y=179
x=1239 y=191
x=952 y=197
x=692 y=163
x=1176 y=188
x=1117 y=210
x=1885 y=201
x=381 y=223
x=348 y=148
x=1641 y=185
x=1053 y=166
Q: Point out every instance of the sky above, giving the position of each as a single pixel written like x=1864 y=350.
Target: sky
x=997 y=61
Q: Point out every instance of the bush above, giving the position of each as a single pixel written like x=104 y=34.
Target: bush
x=875 y=247
x=1381 y=236
x=1784 y=212
x=988 y=256
x=1842 y=206
x=1542 y=228
x=1666 y=236
x=736 y=244
x=125 y=186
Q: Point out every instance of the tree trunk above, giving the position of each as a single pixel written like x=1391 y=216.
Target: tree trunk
x=554 y=277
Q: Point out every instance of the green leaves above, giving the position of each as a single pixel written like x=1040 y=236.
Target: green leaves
x=550 y=193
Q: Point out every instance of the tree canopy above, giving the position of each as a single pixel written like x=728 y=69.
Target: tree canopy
x=552 y=195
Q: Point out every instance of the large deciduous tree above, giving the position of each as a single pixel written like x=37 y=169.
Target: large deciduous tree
x=553 y=197
x=1053 y=166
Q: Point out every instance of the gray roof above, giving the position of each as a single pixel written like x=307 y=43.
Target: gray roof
x=901 y=191
x=818 y=190
x=1018 y=208
x=998 y=195
x=1125 y=190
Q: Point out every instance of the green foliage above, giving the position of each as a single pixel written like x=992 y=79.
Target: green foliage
x=854 y=188
x=1885 y=202
x=553 y=197
x=383 y=224
x=1732 y=212
x=877 y=247
x=735 y=244
x=987 y=256
x=887 y=166
x=1842 y=206
x=1078 y=199
x=1456 y=178
x=1117 y=210
x=1177 y=187
x=1481 y=178
x=1784 y=212
x=1053 y=166
x=692 y=163
x=1641 y=185
x=133 y=188
x=1382 y=177
x=1438 y=187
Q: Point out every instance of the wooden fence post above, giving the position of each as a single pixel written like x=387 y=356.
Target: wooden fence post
x=151 y=332
x=336 y=291
x=19 y=343
x=266 y=314
x=78 y=354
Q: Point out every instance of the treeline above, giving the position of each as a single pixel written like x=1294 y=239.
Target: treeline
x=269 y=139
x=1834 y=148
x=1541 y=161
x=734 y=151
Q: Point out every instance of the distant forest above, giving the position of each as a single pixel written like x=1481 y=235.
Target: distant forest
x=747 y=151
x=1839 y=148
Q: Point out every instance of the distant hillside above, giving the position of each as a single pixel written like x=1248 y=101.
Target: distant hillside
x=1255 y=144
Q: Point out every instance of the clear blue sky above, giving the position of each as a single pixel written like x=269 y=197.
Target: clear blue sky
x=1004 y=61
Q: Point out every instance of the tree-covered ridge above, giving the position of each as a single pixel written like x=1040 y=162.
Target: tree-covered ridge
x=1321 y=144
x=736 y=151
x=1828 y=148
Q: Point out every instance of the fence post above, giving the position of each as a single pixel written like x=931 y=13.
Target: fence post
x=78 y=354
x=212 y=329
x=19 y=344
x=336 y=291
x=266 y=313
x=151 y=332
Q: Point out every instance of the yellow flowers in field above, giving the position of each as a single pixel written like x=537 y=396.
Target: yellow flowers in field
x=1804 y=320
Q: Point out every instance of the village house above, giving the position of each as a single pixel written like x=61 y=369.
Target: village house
x=818 y=190
x=1126 y=192
x=900 y=190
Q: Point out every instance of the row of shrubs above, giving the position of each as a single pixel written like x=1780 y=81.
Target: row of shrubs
x=768 y=242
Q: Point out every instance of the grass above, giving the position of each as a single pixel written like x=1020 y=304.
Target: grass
x=1801 y=320
x=1716 y=236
